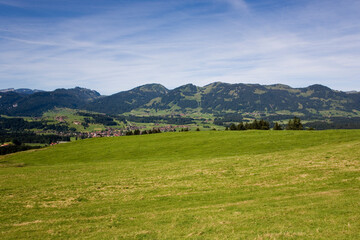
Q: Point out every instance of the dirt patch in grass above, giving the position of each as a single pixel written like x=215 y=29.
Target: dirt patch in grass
x=60 y=203
x=26 y=223
x=6 y=164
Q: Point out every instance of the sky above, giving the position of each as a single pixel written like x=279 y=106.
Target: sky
x=115 y=45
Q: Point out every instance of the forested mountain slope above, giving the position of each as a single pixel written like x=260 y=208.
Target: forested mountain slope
x=315 y=101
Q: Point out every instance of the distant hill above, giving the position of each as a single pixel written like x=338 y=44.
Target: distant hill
x=128 y=100
x=19 y=104
x=216 y=98
x=21 y=90
x=313 y=102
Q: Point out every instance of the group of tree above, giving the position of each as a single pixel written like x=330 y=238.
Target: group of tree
x=221 y=120
x=259 y=125
x=335 y=123
x=138 y=132
x=57 y=127
x=97 y=118
x=30 y=137
x=185 y=130
x=12 y=148
x=293 y=124
x=20 y=124
x=18 y=141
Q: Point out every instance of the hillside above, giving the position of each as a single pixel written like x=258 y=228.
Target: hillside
x=15 y=103
x=257 y=185
x=128 y=100
x=275 y=102
x=312 y=102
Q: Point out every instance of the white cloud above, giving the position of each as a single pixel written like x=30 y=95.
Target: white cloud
x=238 y=5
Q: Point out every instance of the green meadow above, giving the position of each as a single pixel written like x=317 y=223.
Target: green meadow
x=190 y=185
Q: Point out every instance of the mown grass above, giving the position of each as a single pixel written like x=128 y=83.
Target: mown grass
x=192 y=185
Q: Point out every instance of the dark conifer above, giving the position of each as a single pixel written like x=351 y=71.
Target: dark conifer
x=294 y=124
x=277 y=126
x=233 y=127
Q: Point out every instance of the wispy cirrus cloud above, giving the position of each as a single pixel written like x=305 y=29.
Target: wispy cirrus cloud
x=12 y=3
x=125 y=44
x=238 y=5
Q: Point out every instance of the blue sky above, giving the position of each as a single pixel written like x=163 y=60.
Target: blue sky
x=111 y=46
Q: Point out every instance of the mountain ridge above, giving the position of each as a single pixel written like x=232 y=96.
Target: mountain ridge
x=314 y=101
x=21 y=90
x=16 y=104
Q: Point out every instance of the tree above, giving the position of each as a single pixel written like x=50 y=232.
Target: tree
x=16 y=142
x=294 y=124
x=241 y=126
x=255 y=125
x=264 y=125
x=72 y=129
x=233 y=127
x=277 y=126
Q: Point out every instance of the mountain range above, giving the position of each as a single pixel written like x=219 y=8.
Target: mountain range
x=21 y=90
x=313 y=102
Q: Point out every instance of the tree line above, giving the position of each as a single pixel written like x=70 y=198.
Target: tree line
x=16 y=141
x=98 y=119
x=15 y=148
x=19 y=124
x=176 y=120
x=138 y=132
x=30 y=137
x=293 y=124
x=335 y=123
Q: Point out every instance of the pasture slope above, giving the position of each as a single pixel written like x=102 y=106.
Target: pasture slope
x=191 y=185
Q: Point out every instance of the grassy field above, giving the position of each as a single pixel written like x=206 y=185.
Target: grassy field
x=191 y=185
